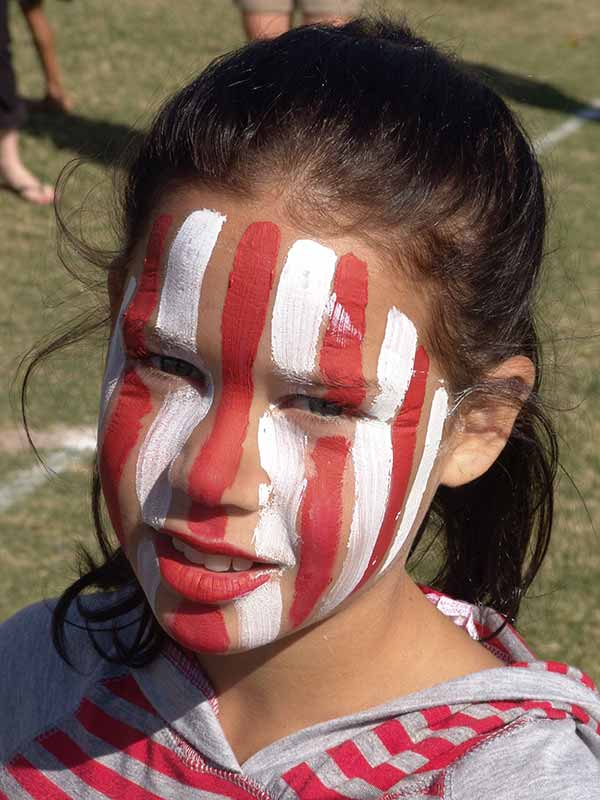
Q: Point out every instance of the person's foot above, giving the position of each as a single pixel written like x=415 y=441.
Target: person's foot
x=39 y=194
x=14 y=175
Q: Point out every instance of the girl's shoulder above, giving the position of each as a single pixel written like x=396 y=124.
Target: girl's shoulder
x=38 y=687
x=528 y=730
x=557 y=759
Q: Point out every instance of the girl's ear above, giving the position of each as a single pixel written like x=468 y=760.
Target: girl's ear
x=481 y=431
x=116 y=287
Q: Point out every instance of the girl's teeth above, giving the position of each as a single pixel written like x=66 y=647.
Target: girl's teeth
x=216 y=563
x=193 y=555
x=241 y=564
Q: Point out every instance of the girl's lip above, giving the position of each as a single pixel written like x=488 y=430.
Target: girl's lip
x=200 y=585
x=219 y=547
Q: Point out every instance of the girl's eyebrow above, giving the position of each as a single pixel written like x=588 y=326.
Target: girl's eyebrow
x=159 y=339
x=155 y=337
x=162 y=339
x=315 y=380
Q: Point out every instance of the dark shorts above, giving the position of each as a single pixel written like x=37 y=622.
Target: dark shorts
x=12 y=108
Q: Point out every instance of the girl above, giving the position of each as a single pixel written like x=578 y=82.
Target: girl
x=322 y=339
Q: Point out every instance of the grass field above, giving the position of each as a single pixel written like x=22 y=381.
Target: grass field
x=119 y=61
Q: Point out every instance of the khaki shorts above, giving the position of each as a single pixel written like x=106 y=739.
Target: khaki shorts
x=342 y=8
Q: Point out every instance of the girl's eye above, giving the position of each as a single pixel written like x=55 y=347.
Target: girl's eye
x=175 y=366
x=317 y=406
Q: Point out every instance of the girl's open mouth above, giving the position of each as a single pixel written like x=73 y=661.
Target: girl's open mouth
x=208 y=577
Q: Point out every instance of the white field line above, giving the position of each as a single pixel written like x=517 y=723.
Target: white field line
x=568 y=127
x=27 y=480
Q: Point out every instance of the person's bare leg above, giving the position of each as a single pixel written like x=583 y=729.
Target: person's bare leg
x=325 y=19
x=265 y=25
x=43 y=39
x=15 y=175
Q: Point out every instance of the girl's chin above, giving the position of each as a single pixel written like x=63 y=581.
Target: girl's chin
x=199 y=628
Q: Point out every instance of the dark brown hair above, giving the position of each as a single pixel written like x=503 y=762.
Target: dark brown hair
x=380 y=133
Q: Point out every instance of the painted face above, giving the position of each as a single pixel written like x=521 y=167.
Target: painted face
x=269 y=425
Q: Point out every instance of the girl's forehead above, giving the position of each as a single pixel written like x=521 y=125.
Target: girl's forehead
x=216 y=226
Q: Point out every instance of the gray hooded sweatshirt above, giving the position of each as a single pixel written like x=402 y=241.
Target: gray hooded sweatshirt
x=526 y=731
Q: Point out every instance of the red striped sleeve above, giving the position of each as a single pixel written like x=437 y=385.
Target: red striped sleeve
x=587 y=681
x=96 y=775
x=394 y=737
x=580 y=714
x=127 y=689
x=463 y=720
x=34 y=781
x=308 y=786
x=137 y=745
x=353 y=764
x=556 y=666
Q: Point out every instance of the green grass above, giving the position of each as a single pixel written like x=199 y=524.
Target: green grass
x=120 y=61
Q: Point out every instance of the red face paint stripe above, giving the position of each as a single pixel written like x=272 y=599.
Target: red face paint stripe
x=340 y=358
x=404 y=440
x=120 y=438
x=320 y=523
x=34 y=781
x=198 y=627
x=145 y=299
x=242 y=323
x=132 y=397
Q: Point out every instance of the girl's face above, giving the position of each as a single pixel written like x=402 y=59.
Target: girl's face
x=270 y=421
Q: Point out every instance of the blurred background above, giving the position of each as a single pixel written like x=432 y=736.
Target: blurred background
x=118 y=61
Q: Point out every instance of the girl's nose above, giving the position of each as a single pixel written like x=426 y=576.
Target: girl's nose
x=220 y=467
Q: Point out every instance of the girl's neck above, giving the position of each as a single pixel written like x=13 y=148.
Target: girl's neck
x=360 y=658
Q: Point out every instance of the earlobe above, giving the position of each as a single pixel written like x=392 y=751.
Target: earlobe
x=481 y=430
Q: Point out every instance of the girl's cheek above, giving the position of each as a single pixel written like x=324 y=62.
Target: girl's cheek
x=126 y=397
x=319 y=525
x=119 y=442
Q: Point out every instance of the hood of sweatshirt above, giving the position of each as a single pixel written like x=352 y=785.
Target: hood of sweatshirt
x=400 y=748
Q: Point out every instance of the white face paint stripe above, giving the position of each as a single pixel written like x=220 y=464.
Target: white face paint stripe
x=148 y=570
x=395 y=364
x=301 y=305
x=339 y=319
x=372 y=462
x=259 y=615
x=116 y=356
x=189 y=256
x=282 y=447
x=177 y=417
x=435 y=429
x=372 y=454
x=177 y=319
